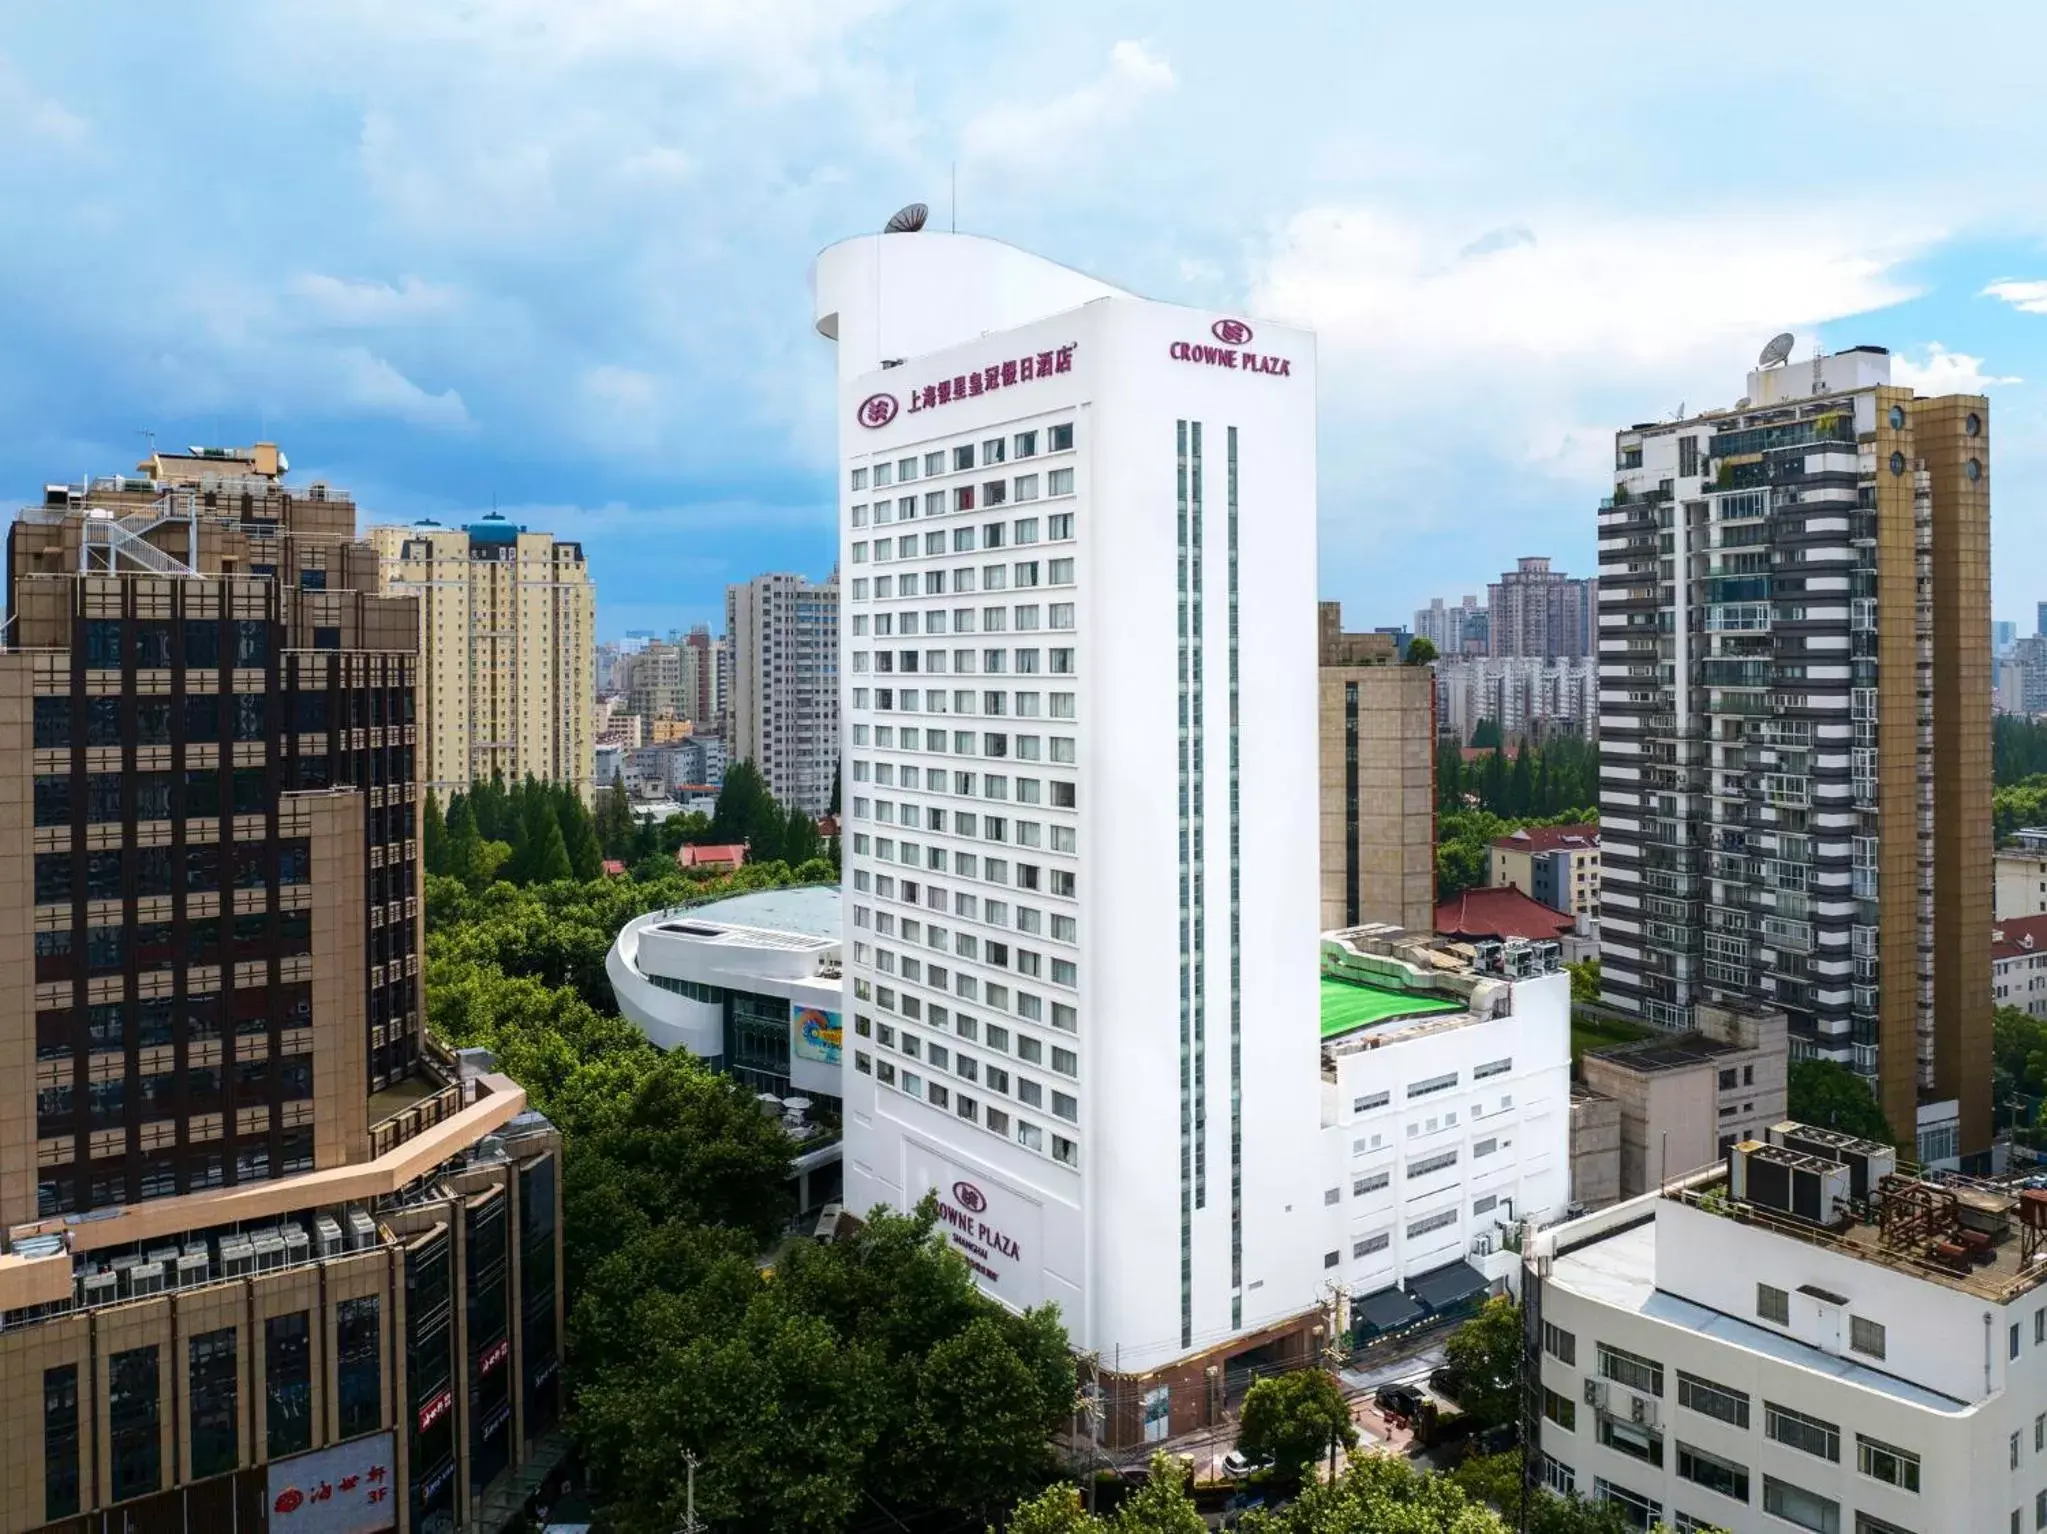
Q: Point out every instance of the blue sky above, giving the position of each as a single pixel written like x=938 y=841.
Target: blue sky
x=553 y=253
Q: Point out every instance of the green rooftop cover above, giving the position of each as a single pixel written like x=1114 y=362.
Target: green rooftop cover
x=1347 y=1005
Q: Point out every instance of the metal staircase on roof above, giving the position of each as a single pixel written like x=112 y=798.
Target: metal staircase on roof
x=109 y=541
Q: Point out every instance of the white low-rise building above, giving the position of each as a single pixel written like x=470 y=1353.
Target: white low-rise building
x=1801 y=1339
x=749 y=985
x=1446 y=1081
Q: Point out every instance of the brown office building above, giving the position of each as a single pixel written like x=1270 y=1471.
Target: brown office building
x=1795 y=729
x=1378 y=763
x=271 y=1261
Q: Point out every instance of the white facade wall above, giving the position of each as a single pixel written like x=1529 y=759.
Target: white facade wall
x=794 y=967
x=1511 y=1093
x=1957 y=1386
x=1122 y=1214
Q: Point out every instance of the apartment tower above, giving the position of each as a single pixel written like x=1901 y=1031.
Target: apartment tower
x=1538 y=612
x=782 y=634
x=1795 y=728
x=246 y=1206
x=507 y=640
x=1378 y=772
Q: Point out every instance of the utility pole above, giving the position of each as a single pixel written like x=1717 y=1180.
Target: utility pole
x=690 y=1524
x=1093 y=1407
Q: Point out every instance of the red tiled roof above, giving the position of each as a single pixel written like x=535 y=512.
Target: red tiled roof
x=1500 y=912
x=613 y=868
x=1548 y=838
x=2020 y=936
x=711 y=855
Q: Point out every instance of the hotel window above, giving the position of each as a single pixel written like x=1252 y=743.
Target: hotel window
x=1713 y=1472
x=1059 y=439
x=1492 y=1068
x=1635 y=1442
x=1026 y=444
x=963 y=498
x=1372 y=1182
x=934 y=463
x=884 y=473
x=1060 y=526
x=60 y=1441
x=214 y=1390
x=1631 y=1369
x=1378 y=1241
x=1884 y=1462
x=133 y=1415
x=1796 y=1505
x=1430 y=1085
x=859 y=479
x=991 y=451
x=934 y=503
x=1809 y=1435
x=1560 y=1344
x=1059 y=482
x=1711 y=1400
x=1026 y=487
x=1431 y=1222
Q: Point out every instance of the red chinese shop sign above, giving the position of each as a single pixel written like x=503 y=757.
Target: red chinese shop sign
x=347 y=1489
x=879 y=409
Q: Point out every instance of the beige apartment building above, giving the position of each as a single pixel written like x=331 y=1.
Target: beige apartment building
x=782 y=640
x=258 y=1235
x=1378 y=765
x=2021 y=877
x=507 y=634
x=1685 y=1098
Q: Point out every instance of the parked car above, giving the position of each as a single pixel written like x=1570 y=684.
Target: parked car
x=1398 y=1400
x=1237 y=1465
x=1443 y=1382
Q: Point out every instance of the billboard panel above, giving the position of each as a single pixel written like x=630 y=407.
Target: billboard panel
x=347 y=1489
x=814 y=1034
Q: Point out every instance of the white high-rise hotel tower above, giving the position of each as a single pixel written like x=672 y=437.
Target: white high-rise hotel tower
x=1079 y=663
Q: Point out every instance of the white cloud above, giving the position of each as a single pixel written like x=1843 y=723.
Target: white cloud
x=368 y=385
x=659 y=164
x=2028 y=297
x=349 y=301
x=1022 y=131
x=1599 y=293
x=1944 y=372
x=27 y=113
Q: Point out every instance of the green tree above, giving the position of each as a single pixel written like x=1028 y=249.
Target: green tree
x=1378 y=1494
x=1584 y=982
x=433 y=836
x=550 y=857
x=1830 y=1096
x=463 y=858
x=615 y=820
x=1291 y=1420
x=1420 y=650
x=1485 y=1355
x=1485 y=735
x=579 y=835
x=800 y=841
x=1160 y=1506
x=746 y=811
x=1495 y=1480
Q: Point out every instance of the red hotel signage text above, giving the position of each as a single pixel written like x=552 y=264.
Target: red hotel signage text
x=979 y=1242
x=880 y=409
x=1231 y=357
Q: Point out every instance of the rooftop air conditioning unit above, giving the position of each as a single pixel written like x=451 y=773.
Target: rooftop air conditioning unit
x=296 y=1247
x=99 y=1289
x=193 y=1268
x=237 y=1257
x=362 y=1230
x=327 y=1235
x=146 y=1278
x=269 y=1250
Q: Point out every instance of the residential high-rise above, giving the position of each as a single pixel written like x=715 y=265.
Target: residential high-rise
x=1535 y=611
x=244 y=1200
x=703 y=672
x=1378 y=781
x=508 y=631
x=1464 y=629
x=1796 y=732
x=782 y=634
x=651 y=680
x=1522 y=694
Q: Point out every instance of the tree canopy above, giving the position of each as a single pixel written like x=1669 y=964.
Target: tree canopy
x=2018 y=748
x=1830 y=1096
x=1485 y=1355
x=1464 y=840
x=1291 y=1420
x=1551 y=781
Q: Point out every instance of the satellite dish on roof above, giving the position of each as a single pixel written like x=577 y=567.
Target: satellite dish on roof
x=1777 y=351
x=906 y=220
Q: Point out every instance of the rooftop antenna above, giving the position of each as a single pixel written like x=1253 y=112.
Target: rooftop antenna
x=1779 y=348
x=1818 y=382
